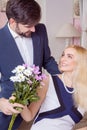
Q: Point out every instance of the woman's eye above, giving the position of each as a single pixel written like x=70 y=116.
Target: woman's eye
x=70 y=56
x=62 y=55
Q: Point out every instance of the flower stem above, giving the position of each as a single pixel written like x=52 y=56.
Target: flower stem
x=12 y=121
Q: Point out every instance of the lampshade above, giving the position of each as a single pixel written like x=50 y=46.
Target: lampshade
x=68 y=31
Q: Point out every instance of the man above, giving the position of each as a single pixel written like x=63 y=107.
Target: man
x=22 y=40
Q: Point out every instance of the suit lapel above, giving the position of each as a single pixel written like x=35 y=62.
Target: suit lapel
x=13 y=57
x=36 y=48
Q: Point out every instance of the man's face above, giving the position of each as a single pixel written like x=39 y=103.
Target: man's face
x=24 y=30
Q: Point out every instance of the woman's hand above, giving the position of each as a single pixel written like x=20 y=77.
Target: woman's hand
x=84 y=128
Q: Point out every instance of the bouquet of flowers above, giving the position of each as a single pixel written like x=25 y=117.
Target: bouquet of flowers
x=26 y=81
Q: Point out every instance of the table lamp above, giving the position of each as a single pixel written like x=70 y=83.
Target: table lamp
x=68 y=31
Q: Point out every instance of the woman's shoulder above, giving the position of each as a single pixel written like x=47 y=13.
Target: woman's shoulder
x=57 y=75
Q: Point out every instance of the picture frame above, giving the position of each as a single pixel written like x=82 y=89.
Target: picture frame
x=76 y=9
x=3 y=5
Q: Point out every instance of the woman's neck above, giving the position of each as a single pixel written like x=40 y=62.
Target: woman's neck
x=67 y=78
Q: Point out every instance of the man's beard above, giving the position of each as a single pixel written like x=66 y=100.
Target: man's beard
x=26 y=34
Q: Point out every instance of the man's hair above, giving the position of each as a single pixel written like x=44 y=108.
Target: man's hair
x=23 y=11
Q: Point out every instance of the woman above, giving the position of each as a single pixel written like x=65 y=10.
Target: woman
x=62 y=103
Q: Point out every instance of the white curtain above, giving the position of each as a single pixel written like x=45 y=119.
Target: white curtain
x=83 y=14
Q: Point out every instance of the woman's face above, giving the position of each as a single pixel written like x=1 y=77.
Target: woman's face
x=68 y=60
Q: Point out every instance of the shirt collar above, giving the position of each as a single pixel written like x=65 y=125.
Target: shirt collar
x=14 y=34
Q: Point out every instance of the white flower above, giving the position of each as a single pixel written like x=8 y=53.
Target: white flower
x=18 y=78
x=19 y=69
x=13 y=78
x=28 y=72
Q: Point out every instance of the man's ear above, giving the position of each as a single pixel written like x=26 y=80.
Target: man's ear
x=12 y=21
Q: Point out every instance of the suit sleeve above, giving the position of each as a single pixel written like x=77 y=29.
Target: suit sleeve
x=49 y=62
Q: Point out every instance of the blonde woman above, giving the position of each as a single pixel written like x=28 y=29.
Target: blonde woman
x=63 y=102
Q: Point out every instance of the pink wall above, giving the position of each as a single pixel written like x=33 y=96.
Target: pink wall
x=58 y=12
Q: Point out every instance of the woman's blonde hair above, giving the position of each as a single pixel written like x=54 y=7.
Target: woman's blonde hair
x=80 y=77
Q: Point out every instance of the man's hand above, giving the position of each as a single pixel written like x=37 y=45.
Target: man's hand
x=9 y=108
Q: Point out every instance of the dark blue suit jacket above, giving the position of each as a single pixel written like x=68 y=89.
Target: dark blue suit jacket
x=10 y=57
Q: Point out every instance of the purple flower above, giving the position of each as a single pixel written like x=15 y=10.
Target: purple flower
x=25 y=65
x=43 y=76
x=38 y=77
x=36 y=70
x=29 y=82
